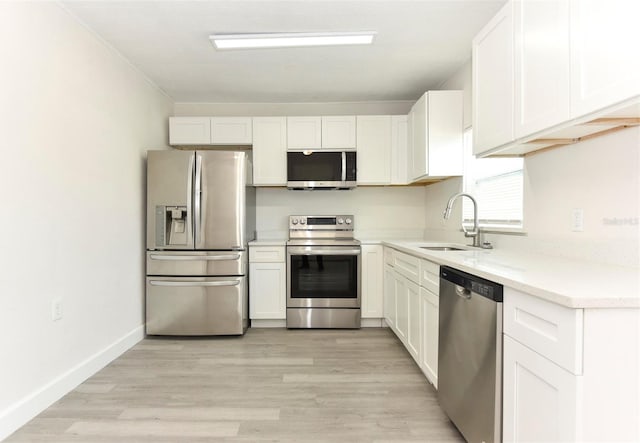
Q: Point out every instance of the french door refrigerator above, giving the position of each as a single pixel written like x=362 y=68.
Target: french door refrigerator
x=200 y=217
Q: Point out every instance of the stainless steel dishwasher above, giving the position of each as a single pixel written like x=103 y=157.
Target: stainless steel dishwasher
x=470 y=354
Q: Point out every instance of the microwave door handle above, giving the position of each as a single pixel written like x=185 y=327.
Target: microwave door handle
x=344 y=166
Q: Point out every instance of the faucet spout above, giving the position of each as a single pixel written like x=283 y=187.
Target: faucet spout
x=475 y=233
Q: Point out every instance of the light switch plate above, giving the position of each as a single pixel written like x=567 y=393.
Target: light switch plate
x=577 y=220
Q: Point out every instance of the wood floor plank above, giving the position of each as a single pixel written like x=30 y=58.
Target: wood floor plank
x=271 y=385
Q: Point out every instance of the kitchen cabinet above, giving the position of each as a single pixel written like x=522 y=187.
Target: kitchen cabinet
x=267 y=283
x=541 y=54
x=493 y=83
x=339 y=132
x=429 y=305
x=563 y=368
x=399 y=149
x=552 y=73
x=373 y=149
x=411 y=307
x=372 y=285
x=604 y=53
x=435 y=128
x=304 y=133
x=185 y=131
x=270 y=151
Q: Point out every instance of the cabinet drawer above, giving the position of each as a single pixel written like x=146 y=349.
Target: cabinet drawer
x=407 y=265
x=554 y=331
x=266 y=254
x=430 y=276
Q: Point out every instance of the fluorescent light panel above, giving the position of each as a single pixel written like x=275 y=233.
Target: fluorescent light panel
x=294 y=39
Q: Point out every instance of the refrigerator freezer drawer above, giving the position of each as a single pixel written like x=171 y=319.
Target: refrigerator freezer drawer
x=197 y=306
x=197 y=263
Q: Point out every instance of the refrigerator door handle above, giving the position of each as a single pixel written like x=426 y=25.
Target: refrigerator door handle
x=198 y=201
x=194 y=283
x=194 y=257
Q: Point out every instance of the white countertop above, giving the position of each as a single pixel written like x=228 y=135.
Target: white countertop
x=268 y=242
x=567 y=282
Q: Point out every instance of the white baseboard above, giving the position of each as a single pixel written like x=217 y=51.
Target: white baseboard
x=372 y=323
x=18 y=414
x=268 y=323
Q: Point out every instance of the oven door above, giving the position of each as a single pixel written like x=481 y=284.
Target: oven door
x=323 y=276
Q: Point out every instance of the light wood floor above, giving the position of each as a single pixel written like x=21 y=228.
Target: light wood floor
x=272 y=385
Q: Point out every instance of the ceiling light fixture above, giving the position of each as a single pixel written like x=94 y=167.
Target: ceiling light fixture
x=293 y=39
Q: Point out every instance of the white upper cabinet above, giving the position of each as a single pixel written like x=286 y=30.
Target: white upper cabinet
x=399 y=149
x=436 y=124
x=231 y=131
x=493 y=82
x=185 y=131
x=605 y=63
x=374 y=149
x=304 y=132
x=541 y=65
x=339 y=132
x=189 y=130
x=550 y=73
x=270 y=151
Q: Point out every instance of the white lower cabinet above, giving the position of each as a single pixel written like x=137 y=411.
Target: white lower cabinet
x=429 y=306
x=539 y=397
x=267 y=283
x=372 y=286
x=411 y=307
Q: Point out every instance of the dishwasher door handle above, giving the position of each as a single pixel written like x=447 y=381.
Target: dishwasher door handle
x=463 y=292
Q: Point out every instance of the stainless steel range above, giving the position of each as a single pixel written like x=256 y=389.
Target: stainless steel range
x=323 y=272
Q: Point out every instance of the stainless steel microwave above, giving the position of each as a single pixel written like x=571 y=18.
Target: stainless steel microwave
x=321 y=169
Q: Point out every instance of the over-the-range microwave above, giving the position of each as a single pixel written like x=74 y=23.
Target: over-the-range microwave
x=321 y=169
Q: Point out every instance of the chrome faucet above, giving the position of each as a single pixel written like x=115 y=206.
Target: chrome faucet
x=475 y=233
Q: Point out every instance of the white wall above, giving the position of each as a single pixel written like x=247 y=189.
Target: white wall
x=75 y=120
x=380 y=212
x=600 y=176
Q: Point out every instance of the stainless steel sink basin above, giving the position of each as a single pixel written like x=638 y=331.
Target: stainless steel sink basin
x=442 y=248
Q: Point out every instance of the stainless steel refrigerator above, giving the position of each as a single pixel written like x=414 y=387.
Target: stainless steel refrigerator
x=200 y=217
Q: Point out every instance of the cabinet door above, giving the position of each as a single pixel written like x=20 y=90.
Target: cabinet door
x=399 y=149
x=541 y=65
x=270 y=151
x=413 y=330
x=539 y=397
x=418 y=118
x=339 y=132
x=231 y=131
x=267 y=291
x=372 y=286
x=189 y=131
x=402 y=307
x=444 y=134
x=492 y=83
x=389 y=297
x=429 y=304
x=304 y=132
x=605 y=65
x=374 y=149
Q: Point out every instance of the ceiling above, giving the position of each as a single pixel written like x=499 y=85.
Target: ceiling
x=419 y=44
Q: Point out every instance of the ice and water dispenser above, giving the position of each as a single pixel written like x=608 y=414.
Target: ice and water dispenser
x=171 y=226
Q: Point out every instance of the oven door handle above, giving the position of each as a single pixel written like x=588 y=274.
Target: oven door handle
x=306 y=250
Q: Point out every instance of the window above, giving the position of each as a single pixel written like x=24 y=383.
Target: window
x=497 y=186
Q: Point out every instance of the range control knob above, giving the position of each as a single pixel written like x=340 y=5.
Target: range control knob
x=340 y=221
x=294 y=221
x=348 y=221
x=303 y=221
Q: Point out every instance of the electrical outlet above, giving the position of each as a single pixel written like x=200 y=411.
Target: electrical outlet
x=56 y=309
x=577 y=220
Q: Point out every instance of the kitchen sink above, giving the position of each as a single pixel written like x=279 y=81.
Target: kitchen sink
x=442 y=248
